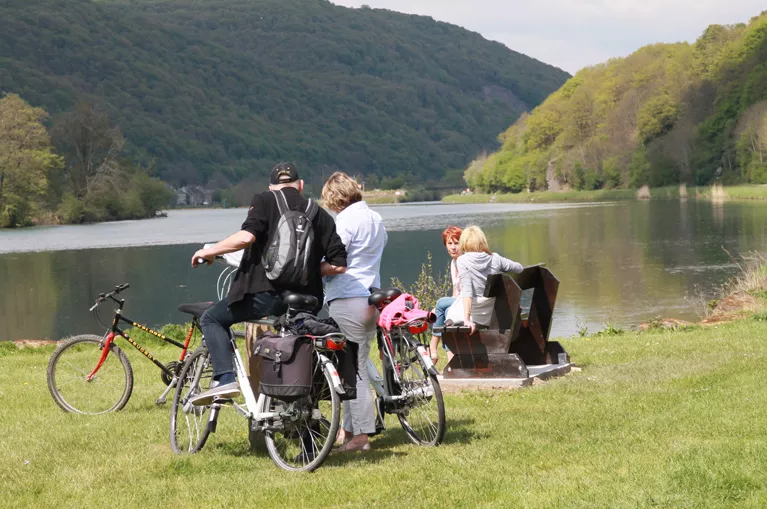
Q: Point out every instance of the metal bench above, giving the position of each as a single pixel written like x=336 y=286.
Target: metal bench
x=513 y=342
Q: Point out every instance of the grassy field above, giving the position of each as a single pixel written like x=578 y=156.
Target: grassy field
x=657 y=419
x=664 y=193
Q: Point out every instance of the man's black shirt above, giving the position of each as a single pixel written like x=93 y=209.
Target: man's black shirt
x=262 y=219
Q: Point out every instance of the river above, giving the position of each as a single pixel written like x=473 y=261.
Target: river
x=622 y=263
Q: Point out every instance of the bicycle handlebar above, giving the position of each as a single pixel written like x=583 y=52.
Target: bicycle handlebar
x=105 y=296
x=203 y=261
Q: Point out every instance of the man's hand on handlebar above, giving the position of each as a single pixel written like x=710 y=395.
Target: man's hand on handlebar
x=202 y=256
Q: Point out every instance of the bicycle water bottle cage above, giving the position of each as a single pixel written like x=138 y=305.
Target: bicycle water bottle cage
x=298 y=301
x=382 y=298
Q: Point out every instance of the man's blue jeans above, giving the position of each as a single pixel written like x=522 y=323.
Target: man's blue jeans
x=217 y=319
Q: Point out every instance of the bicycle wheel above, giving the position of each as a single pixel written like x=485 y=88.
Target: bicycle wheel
x=303 y=437
x=188 y=423
x=68 y=369
x=422 y=412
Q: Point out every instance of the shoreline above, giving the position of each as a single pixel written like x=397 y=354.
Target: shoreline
x=739 y=193
x=732 y=193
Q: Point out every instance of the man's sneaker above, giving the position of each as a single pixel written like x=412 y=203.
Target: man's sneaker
x=215 y=392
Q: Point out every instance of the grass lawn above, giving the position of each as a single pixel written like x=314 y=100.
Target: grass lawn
x=658 y=419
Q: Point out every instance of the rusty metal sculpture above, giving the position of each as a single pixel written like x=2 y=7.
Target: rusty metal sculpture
x=513 y=342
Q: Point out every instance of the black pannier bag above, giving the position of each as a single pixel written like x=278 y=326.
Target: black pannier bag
x=346 y=366
x=286 y=366
x=347 y=370
x=345 y=360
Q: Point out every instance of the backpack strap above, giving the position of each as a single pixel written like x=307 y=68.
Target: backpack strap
x=311 y=210
x=282 y=202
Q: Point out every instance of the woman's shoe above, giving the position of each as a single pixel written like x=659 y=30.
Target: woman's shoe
x=354 y=447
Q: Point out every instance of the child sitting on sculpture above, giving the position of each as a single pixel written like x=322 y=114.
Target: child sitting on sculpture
x=474 y=265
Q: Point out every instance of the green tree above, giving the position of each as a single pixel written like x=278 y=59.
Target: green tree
x=639 y=168
x=665 y=114
x=91 y=146
x=361 y=90
x=26 y=157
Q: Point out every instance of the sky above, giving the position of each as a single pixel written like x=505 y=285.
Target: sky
x=572 y=34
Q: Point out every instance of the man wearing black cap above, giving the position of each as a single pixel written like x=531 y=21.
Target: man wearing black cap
x=252 y=295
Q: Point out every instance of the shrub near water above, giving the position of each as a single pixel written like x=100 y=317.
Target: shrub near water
x=428 y=286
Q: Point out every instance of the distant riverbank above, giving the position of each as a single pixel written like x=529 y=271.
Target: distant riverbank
x=737 y=193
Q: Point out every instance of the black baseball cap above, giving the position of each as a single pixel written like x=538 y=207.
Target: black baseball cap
x=283 y=173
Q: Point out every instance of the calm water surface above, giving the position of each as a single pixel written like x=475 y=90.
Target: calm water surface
x=621 y=262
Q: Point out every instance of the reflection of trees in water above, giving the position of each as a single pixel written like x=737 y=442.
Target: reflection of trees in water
x=634 y=259
x=47 y=295
x=29 y=297
x=631 y=260
x=718 y=213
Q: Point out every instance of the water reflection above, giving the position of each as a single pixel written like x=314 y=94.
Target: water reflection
x=624 y=262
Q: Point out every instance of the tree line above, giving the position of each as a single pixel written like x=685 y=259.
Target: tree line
x=87 y=179
x=215 y=92
x=666 y=114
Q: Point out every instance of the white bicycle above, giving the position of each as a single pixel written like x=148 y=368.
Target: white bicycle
x=299 y=434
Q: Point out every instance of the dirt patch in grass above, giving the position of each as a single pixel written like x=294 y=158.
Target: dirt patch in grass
x=33 y=343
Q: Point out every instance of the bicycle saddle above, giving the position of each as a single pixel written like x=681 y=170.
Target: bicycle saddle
x=196 y=309
x=299 y=300
x=380 y=298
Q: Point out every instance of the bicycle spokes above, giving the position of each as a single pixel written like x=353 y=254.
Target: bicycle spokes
x=304 y=432
x=421 y=411
x=189 y=428
x=77 y=387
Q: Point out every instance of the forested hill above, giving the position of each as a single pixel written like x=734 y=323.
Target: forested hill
x=668 y=113
x=224 y=88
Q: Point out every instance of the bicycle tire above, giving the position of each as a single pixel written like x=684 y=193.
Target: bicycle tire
x=291 y=457
x=189 y=428
x=81 y=354
x=432 y=432
x=438 y=434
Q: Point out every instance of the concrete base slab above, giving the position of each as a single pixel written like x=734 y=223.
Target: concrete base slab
x=540 y=372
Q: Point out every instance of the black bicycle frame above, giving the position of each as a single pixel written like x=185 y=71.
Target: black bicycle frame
x=116 y=330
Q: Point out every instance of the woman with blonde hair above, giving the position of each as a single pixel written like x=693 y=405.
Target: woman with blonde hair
x=364 y=236
x=474 y=265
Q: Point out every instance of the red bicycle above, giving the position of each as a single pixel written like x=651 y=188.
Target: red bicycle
x=88 y=374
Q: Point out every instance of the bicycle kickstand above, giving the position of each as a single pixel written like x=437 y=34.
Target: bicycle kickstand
x=164 y=396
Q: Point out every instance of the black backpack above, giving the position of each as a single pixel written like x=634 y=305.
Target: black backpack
x=286 y=257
